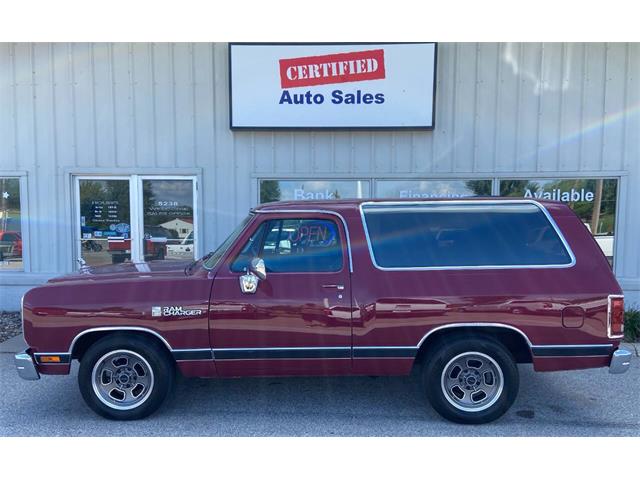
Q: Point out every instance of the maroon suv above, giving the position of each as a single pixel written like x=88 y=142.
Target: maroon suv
x=462 y=290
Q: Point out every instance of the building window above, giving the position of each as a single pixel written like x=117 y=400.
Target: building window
x=105 y=220
x=432 y=188
x=276 y=190
x=168 y=218
x=135 y=218
x=592 y=199
x=10 y=225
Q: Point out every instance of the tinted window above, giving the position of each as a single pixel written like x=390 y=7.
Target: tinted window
x=461 y=236
x=294 y=245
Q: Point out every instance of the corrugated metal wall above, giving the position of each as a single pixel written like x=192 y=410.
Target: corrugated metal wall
x=538 y=109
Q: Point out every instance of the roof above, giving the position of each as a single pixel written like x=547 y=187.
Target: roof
x=355 y=203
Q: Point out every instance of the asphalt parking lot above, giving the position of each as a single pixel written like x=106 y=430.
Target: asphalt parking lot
x=580 y=403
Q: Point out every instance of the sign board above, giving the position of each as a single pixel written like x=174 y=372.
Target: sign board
x=336 y=86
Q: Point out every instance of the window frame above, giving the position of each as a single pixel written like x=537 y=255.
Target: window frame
x=24 y=222
x=413 y=204
x=136 y=204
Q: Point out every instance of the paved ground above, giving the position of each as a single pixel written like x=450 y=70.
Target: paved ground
x=590 y=402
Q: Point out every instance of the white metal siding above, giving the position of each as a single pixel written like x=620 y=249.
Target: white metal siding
x=528 y=109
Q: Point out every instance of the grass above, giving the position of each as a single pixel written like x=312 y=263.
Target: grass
x=632 y=325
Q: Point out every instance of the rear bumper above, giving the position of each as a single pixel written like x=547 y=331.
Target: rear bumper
x=26 y=366
x=620 y=361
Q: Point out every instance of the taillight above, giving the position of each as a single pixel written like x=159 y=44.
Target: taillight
x=615 y=320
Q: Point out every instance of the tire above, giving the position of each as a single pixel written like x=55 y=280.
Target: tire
x=125 y=377
x=470 y=380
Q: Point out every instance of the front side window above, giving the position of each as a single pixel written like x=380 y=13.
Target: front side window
x=441 y=236
x=294 y=245
x=10 y=224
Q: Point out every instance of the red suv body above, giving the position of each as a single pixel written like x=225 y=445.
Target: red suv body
x=461 y=289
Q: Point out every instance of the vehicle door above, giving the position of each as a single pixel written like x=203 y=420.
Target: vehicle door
x=298 y=320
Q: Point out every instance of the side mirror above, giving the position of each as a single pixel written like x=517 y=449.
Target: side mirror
x=255 y=272
x=258 y=268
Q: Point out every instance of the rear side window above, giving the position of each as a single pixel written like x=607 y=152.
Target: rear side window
x=294 y=245
x=482 y=235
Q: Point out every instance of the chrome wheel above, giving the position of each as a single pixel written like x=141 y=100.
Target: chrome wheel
x=472 y=381
x=122 y=379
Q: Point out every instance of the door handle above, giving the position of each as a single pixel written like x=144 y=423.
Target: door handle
x=337 y=287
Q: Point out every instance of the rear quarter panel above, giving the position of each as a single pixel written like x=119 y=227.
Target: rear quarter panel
x=398 y=308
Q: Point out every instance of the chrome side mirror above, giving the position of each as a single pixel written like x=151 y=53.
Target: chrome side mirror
x=255 y=272
x=258 y=268
x=248 y=283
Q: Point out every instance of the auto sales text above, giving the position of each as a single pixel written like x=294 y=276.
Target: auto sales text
x=337 y=97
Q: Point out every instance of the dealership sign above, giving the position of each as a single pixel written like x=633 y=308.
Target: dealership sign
x=332 y=85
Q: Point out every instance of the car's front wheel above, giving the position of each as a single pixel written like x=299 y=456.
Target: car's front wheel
x=125 y=377
x=470 y=379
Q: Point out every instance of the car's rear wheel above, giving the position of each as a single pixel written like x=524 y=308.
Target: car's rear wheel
x=125 y=377
x=470 y=380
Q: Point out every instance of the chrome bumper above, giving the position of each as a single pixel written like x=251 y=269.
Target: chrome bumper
x=25 y=366
x=620 y=361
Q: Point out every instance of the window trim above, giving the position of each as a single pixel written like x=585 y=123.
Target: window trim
x=412 y=204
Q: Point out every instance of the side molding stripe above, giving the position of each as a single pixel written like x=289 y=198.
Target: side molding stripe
x=195 y=354
x=281 y=353
x=385 y=352
x=572 y=350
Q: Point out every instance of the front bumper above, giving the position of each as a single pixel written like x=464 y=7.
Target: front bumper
x=620 y=361
x=25 y=366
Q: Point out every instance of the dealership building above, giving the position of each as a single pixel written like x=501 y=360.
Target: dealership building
x=130 y=152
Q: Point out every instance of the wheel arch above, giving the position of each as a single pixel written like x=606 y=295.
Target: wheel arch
x=512 y=338
x=83 y=340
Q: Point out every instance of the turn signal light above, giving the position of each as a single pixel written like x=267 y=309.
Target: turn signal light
x=615 y=321
x=50 y=359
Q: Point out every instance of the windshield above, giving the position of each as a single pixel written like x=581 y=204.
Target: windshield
x=214 y=257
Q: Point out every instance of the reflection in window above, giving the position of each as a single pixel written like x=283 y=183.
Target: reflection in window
x=168 y=219
x=10 y=224
x=440 y=235
x=432 y=188
x=294 y=245
x=105 y=224
x=593 y=200
x=277 y=190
